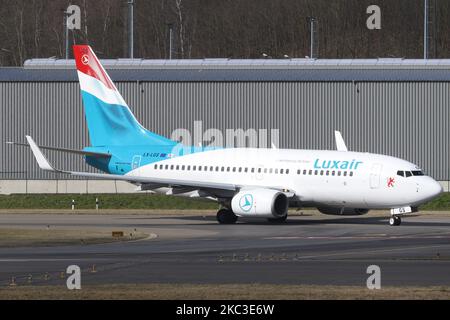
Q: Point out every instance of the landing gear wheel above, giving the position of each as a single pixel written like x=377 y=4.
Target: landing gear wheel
x=395 y=221
x=278 y=220
x=226 y=216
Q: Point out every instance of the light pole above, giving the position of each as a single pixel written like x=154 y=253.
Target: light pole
x=312 y=21
x=130 y=29
x=66 y=32
x=425 y=30
x=170 y=25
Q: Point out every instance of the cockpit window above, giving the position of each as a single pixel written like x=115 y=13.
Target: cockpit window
x=410 y=173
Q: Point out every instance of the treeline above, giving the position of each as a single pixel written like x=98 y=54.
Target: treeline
x=223 y=28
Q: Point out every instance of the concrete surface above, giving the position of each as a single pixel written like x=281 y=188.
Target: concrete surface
x=310 y=249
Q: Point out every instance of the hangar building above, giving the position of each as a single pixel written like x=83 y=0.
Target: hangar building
x=396 y=107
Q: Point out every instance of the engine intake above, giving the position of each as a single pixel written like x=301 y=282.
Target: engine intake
x=264 y=203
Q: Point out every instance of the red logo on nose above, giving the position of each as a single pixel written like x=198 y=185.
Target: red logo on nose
x=391 y=182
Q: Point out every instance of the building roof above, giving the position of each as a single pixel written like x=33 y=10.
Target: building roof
x=233 y=70
x=223 y=63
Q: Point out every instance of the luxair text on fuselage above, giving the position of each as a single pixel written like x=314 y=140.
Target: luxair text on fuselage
x=337 y=164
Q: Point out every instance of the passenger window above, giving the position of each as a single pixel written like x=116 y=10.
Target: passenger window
x=253 y=170
x=182 y=167
x=199 y=168
x=156 y=166
x=345 y=173
x=167 y=166
x=298 y=171
x=222 y=169
x=328 y=173
x=171 y=167
x=245 y=169
x=315 y=172
x=259 y=170
x=276 y=171
x=304 y=172
x=228 y=169
x=332 y=173
x=270 y=170
x=321 y=172
x=351 y=173
x=401 y=173
x=194 y=167
x=281 y=171
x=339 y=173
x=234 y=169
x=310 y=172
x=211 y=168
x=240 y=169
x=408 y=174
x=161 y=166
x=287 y=171
x=178 y=167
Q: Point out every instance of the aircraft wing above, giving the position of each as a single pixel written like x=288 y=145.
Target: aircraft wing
x=221 y=189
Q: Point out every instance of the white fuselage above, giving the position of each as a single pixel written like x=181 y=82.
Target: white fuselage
x=317 y=177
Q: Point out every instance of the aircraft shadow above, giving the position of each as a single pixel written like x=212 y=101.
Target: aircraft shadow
x=297 y=220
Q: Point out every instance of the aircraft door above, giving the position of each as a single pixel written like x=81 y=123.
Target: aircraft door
x=375 y=176
x=136 y=162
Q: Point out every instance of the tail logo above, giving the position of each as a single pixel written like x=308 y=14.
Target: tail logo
x=85 y=59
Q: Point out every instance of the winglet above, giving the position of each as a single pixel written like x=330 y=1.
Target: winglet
x=40 y=158
x=340 y=143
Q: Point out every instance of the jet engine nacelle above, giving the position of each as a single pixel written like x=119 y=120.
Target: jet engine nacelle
x=263 y=203
x=345 y=212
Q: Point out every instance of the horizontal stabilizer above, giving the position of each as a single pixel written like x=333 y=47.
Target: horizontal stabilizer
x=80 y=152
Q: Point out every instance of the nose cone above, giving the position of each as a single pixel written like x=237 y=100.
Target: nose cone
x=431 y=189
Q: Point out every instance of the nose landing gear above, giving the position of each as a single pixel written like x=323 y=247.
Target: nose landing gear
x=397 y=213
x=395 y=221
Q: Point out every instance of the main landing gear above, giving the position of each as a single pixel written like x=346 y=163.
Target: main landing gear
x=226 y=216
x=395 y=221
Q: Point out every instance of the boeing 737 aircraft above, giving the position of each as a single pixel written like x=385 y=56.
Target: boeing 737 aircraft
x=246 y=182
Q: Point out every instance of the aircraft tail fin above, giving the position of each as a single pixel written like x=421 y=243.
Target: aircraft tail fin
x=109 y=119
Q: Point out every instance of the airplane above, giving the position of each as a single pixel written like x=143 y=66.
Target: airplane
x=246 y=182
